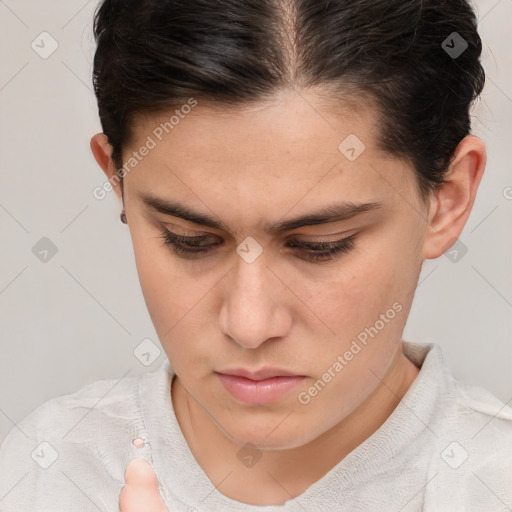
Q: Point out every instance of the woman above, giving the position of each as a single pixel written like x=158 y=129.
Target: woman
x=284 y=168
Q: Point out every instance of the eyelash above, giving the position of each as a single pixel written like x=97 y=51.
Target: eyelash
x=319 y=251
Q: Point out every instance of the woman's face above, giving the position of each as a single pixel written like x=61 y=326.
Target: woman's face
x=252 y=300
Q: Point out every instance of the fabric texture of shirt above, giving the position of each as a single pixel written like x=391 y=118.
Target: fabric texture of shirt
x=446 y=447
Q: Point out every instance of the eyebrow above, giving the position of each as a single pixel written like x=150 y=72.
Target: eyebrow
x=331 y=213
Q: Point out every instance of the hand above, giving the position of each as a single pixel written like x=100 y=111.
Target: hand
x=140 y=494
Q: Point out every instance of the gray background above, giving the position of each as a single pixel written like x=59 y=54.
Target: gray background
x=79 y=316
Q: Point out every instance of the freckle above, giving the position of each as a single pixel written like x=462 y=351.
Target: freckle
x=138 y=442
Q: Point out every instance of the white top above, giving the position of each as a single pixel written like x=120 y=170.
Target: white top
x=447 y=447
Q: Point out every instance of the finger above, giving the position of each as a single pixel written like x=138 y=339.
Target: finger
x=139 y=473
x=141 y=494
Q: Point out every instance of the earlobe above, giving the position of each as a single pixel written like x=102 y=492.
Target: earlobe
x=452 y=204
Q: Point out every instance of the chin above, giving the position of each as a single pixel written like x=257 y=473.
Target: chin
x=269 y=435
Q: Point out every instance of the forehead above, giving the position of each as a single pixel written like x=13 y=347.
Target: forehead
x=298 y=148
x=305 y=122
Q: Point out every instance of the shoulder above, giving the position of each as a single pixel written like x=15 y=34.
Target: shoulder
x=465 y=446
x=471 y=467
x=59 y=416
x=478 y=408
x=456 y=405
x=66 y=448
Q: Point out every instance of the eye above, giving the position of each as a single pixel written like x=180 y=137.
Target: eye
x=192 y=247
x=324 y=251
x=186 y=245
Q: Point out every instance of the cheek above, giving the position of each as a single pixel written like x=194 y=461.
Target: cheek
x=160 y=285
x=347 y=305
x=177 y=302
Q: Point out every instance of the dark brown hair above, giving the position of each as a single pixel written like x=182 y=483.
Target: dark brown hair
x=155 y=54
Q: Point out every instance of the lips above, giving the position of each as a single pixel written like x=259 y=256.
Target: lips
x=264 y=373
x=259 y=387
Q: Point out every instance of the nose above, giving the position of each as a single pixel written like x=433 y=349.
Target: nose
x=254 y=307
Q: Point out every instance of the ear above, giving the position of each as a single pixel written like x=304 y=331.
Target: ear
x=102 y=152
x=450 y=207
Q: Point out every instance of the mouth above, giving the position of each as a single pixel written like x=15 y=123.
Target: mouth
x=261 y=387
